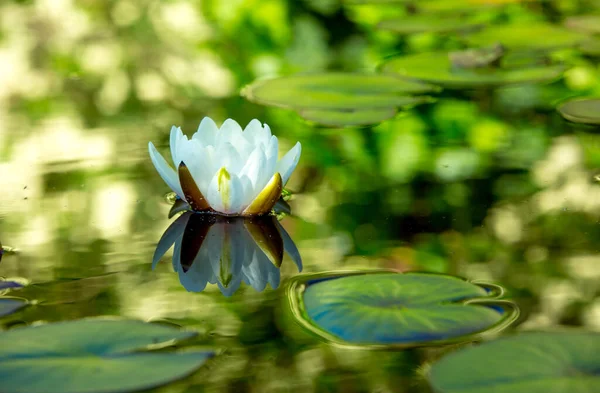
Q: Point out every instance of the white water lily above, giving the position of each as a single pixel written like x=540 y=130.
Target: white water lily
x=227 y=170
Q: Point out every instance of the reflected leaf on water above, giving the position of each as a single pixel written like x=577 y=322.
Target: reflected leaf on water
x=92 y=355
x=548 y=362
x=226 y=251
x=384 y=309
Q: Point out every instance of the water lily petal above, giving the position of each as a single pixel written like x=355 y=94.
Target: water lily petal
x=198 y=161
x=190 y=190
x=247 y=191
x=267 y=198
x=173 y=232
x=255 y=272
x=252 y=130
x=177 y=255
x=255 y=166
x=236 y=195
x=164 y=170
x=207 y=132
x=267 y=238
x=226 y=193
x=230 y=158
x=229 y=132
x=196 y=231
x=179 y=206
x=288 y=163
x=271 y=152
x=289 y=246
x=176 y=136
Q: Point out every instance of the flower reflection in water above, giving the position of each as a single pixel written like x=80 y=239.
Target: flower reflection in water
x=226 y=251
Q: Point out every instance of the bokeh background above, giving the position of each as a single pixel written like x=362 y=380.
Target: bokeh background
x=492 y=185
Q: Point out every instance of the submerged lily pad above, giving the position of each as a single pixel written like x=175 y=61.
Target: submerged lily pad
x=9 y=305
x=427 y=24
x=531 y=36
x=312 y=94
x=390 y=309
x=529 y=362
x=584 y=23
x=92 y=355
x=581 y=111
x=437 y=68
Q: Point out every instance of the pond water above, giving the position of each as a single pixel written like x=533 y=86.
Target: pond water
x=472 y=176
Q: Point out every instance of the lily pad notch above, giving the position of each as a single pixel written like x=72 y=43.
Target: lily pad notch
x=340 y=99
x=383 y=309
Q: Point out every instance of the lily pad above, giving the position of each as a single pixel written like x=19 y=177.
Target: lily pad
x=337 y=92
x=437 y=68
x=533 y=362
x=390 y=309
x=581 y=111
x=93 y=355
x=9 y=305
x=531 y=36
x=378 y=1
x=452 y=6
x=584 y=23
x=427 y=24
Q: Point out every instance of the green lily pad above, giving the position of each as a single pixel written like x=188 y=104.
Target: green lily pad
x=584 y=23
x=94 y=355
x=378 y=1
x=581 y=111
x=452 y=6
x=311 y=94
x=531 y=36
x=427 y=24
x=436 y=68
x=390 y=309
x=528 y=362
x=335 y=91
x=9 y=305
